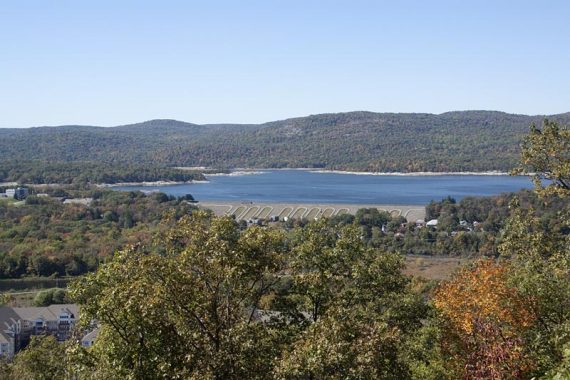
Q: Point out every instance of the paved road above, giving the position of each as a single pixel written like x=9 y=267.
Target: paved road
x=249 y=210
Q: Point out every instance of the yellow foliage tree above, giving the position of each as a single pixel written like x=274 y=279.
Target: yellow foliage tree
x=485 y=319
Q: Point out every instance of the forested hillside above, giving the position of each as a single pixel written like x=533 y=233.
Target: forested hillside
x=453 y=141
x=88 y=172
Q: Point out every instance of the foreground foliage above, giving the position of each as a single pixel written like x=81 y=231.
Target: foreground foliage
x=485 y=322
x=214 y=302
x=512 y=320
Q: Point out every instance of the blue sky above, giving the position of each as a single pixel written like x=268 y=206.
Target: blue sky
x=116 y=62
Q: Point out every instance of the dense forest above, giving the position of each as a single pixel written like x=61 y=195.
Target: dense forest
x=453 y=141
x=86 y=173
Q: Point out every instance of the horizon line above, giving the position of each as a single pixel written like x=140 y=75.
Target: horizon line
x=288 y=118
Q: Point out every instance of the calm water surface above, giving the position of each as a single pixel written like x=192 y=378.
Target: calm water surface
x=300 y=186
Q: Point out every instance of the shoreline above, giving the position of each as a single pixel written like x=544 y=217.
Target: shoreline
x=252 y=171
x=414 y=174
x=149 y=183
x=246 y=172
x=237 y=173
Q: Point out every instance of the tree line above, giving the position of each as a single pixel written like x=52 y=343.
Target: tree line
x=86 y=173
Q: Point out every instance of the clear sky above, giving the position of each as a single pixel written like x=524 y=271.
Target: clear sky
x=115 y=62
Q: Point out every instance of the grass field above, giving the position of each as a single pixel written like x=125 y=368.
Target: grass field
x=9 y=201
x=22 y=299
x=433 y=268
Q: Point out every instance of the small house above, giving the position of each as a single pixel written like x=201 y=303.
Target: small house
x=89 y=339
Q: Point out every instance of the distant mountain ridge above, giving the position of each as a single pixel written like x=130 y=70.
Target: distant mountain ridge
x=368 y=141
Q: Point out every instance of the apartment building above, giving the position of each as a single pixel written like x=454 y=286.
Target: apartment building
x=19 y=324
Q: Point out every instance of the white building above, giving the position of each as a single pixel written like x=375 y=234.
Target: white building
x=432 y=223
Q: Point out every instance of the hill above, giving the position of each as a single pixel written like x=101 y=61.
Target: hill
x=452 y=141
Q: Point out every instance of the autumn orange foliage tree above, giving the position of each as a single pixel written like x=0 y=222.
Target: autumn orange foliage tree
x=485 y=319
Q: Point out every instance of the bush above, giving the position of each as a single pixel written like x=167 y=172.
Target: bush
x=50 y=297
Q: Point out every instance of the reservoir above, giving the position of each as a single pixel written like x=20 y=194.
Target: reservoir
x=305 y=186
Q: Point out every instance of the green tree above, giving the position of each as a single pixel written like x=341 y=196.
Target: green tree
x=191 y=311
x=50 y=297
x=372 y=217
x=323 y=259
x=367 y=329
x=546 y=156
x=562 y=371
x=540 y=253
x=541 y=272
x=43 y=359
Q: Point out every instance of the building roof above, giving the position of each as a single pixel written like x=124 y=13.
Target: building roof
x=91 y=336
x=7 y=319
x=35 y=313
x=47 y=313
x=68 y=308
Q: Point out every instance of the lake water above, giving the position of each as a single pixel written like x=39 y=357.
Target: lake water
x=303 y=186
